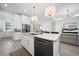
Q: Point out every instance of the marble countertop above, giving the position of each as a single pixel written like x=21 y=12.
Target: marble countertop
x=47 y=36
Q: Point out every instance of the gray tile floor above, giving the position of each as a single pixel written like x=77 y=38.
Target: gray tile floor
x=8 y=46
x=68 y=50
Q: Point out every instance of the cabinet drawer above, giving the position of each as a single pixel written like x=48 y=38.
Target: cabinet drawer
x=68 y=37
x=29 y=37
x=28 y=42
x=31 y=47
x=71 y=39
x=78 y=40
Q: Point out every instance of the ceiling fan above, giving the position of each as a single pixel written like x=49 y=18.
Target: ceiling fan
x=68 y=15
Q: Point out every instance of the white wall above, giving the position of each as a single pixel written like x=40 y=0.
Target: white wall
x=5 y=16
x=56 y=25
x=59 y=24
x=46 y=26
x=47 y=23
x=13 y=17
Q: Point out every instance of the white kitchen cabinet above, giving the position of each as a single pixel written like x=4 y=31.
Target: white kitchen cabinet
x=25 y=19
x=28 y=43
x=31 y=45
x=27 y=39
x=24 y=42
x=56 y=48
x=17 y=21
x=17 y=36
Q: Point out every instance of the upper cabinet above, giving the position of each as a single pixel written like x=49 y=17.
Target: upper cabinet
x=17 y=21
x=25 y=19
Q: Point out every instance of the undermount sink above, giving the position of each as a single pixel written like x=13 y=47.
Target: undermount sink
x=33 y=34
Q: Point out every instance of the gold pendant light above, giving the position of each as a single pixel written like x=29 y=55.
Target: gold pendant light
x=50 y=10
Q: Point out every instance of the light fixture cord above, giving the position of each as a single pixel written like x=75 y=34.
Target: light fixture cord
x=33 y=11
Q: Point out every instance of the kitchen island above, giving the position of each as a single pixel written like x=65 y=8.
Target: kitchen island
x=28 y=42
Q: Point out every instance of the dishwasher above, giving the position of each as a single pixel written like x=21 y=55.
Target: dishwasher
x=43 y=47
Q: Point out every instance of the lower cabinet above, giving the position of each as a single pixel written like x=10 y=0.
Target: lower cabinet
x=24 y=42
x=31 y=46
x=28 y=43
x=0 y=41
x=71 y=39
x=78 y=40
x=17 y=36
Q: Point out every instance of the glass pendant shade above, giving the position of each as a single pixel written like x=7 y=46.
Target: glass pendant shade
x=34 y=18
x=50 y=11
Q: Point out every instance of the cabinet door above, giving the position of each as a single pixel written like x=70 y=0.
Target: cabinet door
x=17 y=36
x=30 y=41
x=27 y=44
x=31 y=44
x=24 y=42
x=78 y=40
x=71 y=39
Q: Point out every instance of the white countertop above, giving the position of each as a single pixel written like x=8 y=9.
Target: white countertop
x=51 y=37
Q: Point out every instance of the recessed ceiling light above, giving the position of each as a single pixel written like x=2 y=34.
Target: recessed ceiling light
x=5 y=5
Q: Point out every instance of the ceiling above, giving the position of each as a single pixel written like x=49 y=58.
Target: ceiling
x=61 y=8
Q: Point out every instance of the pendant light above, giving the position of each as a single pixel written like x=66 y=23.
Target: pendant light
x=50 y=10
x=34 y=18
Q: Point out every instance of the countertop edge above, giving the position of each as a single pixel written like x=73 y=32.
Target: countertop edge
x=42 y=37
